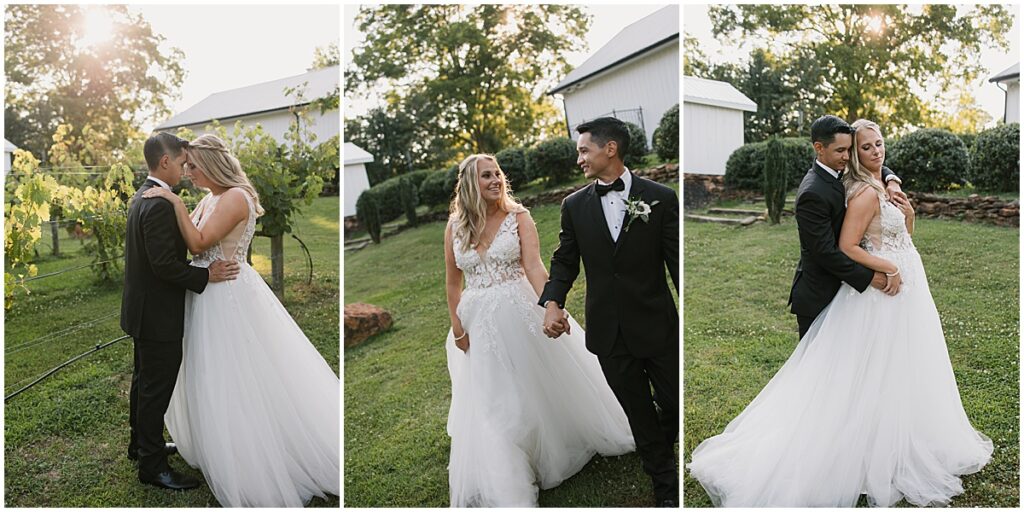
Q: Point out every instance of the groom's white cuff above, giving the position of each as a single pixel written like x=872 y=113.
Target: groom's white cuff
x=893 y=177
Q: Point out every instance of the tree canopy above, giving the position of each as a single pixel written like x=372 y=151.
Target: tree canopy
x=893 y=64
x=475 y=75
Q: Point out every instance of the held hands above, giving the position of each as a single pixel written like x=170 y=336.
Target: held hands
x=888 y=285
x=903 y=203
x=893 y=191
x=556 y=320
x=223 y=270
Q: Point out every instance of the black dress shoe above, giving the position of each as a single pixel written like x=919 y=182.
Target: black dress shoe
x=669 y=503
x=169 y=449
x=169 y=479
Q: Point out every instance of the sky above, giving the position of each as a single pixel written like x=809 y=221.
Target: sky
x=991 y=98
x=606 y=22
x=231 y=46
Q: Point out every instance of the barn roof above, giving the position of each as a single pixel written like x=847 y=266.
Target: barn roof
x=714 y=93
x=633 y=41
x=1007 y=74
x=256 y=99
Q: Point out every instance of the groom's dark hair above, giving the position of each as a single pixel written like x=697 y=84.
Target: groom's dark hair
x=604 y=129
x=825 y=128
x=160 y=144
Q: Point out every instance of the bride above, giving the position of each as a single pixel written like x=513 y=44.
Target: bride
x=255 y=406
x=867 y=403
x=526 y=411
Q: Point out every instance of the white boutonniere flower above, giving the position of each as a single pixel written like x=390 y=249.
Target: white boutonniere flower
x=636 y=207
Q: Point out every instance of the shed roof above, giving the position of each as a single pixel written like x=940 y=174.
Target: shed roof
x=1007 y=74
x=716 y=94
x=9 y=147
x=356 y=155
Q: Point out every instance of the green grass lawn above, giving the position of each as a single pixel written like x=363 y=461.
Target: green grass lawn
x=397 y=390
x=65 y=439
x=738 y=332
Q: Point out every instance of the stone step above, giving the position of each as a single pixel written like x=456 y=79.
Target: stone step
x=735 y=211
x=724 y=220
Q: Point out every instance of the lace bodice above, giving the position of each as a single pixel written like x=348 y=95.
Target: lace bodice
x=233 y=246
x=499 y=265
x=887 y=230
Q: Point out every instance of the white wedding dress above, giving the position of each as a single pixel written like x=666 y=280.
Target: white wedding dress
x=867 y=404
x=526 y=410
x=255 y=406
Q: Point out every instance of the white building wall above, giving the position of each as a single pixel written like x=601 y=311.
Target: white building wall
x=7 y=162
x=356 y=182
x=276 y=124
x=1012 y=114
x=650 y=82
x=710 y=135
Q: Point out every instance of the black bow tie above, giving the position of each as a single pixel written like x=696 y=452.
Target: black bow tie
x=618 y=184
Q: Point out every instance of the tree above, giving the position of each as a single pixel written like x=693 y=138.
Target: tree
x=326 y=56
x=55 y=76
x=484 y=69
x=870 y=58
x=400 y=140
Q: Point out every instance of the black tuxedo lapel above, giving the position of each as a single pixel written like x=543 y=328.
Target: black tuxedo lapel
x=825 y=175
x=597 y=212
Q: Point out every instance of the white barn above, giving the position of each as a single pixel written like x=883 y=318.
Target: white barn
x=8 y=155
x=1009 y=80
x=265 y=104
x=634 y=77
x=356 y=180
x=712 y=124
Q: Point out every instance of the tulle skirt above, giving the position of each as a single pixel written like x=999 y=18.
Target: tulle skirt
x=255 y=406
x=527 y=411
x=867 y=404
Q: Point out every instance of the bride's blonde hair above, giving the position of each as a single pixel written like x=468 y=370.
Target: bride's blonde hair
x=213 y=157
x=468 y=211
x=857 y=176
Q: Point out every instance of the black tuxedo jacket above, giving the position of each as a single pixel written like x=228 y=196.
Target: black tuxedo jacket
x=820 y=209
x=156 y=271
x=626 y=286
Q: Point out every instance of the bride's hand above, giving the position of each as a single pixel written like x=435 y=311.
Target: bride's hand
x=463 y=343
x=160 y=192
x=892 y=284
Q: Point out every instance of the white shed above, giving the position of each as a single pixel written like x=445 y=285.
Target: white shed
x=1010 y=80
x=355 y=176
x=634 y=77
x=8 y=155
x=266 y=104
x=712 y=124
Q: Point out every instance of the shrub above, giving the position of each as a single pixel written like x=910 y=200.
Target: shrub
x=513 y=162
x=666 y=136
x=390 y=198
x=745 y=168
x=554 y=159
x=929 y=160
x=417 y=177
x=634 y=157
x=451 y=177
x=995 y=165
x=407 y=191
x=433 y=190
x=776 y=179
x=368 y=213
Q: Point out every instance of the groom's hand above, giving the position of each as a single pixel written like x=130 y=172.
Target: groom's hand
x=223 y=270
x=879 y=280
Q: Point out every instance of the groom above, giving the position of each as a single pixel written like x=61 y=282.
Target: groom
x=156 y=275
x=631 y=319
x=820 y=208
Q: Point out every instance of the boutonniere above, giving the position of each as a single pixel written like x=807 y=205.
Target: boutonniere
x=636 y=207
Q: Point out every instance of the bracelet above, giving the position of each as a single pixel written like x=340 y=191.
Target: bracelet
x=894 y=274
x=460 y=337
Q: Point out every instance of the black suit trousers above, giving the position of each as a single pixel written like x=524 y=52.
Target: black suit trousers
x=156 y=371
x=631 y=379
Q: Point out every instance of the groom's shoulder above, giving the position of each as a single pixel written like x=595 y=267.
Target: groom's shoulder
x=655 y=188
x=578 y=195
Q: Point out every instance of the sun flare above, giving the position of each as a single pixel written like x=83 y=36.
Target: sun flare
x=97 y=27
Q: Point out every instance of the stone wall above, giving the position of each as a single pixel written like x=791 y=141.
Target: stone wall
x=974 y=208
x=700 y=190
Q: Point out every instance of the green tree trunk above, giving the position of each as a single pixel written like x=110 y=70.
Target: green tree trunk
x=277 y=265
x=774 y=180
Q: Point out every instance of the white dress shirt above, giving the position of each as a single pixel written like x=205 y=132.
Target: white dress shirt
x=614 y=205
x=159 y=182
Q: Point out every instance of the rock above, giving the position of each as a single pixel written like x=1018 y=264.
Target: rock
x=363 y=321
